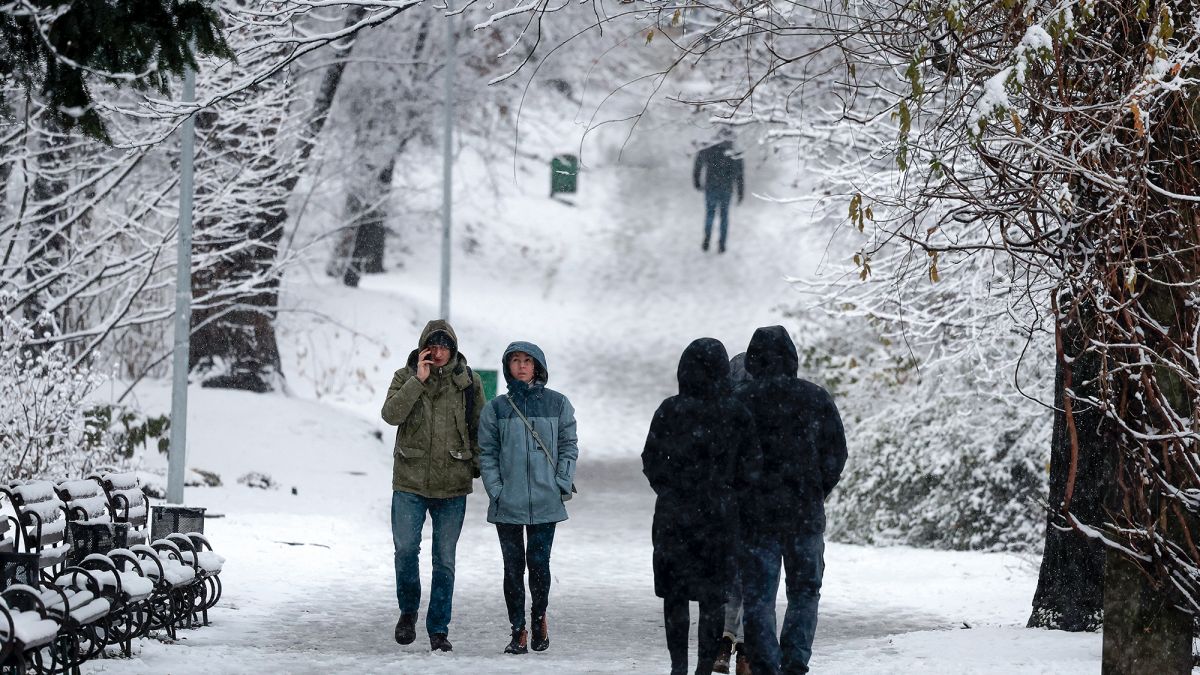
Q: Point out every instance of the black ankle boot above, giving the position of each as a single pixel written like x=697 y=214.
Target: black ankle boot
x=541 y=634
x=519 y=643
x=406 y=628
x=439 y=643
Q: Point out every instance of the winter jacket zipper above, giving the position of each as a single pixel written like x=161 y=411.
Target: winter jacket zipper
x=528 y=473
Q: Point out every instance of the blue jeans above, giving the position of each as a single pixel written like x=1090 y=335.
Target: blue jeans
x=714 y=201
x=408 y=517
x=803 y=558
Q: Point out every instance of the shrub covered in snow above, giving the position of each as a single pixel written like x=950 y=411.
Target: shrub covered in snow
x=944 y=450
x=43 y=428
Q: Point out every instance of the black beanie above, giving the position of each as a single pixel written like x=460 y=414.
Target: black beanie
x=441 y=338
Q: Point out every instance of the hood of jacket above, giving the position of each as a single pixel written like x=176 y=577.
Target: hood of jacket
x=437 y=325
x=772 y=352
x=542 y=374
x=704 y=369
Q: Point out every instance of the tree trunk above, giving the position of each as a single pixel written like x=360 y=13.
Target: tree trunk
x=48 y=243
x=364 y=243
x=1070 y=590
x=240 y=338
x=360 y=247
x=1144 y=629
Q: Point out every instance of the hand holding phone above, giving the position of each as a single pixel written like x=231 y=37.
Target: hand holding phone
x=424 y=361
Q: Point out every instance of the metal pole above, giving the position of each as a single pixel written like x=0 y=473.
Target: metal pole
x=447 y=177
x=177 y=457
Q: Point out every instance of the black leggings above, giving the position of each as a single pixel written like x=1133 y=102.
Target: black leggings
x=678 y=621
x=516 y=555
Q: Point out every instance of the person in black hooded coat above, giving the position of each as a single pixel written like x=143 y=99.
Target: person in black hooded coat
x=804 y=450
x=700 y=458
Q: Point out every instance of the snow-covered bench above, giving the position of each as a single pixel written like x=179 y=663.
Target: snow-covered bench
x=26 y=629
x=71 y=596
x=7 y=535
x=129 y=504
x=195 y=550
x=41 y=519
x=126 y=502
x=99 y=544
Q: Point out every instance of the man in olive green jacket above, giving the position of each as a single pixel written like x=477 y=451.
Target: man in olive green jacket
x=435 y=402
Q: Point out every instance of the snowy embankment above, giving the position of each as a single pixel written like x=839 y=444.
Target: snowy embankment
x=612 y=288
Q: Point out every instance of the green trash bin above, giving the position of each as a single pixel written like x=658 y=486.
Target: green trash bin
x=563 y=172
x=488 y=379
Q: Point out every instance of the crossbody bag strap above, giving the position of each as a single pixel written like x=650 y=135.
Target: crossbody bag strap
x=537 y=439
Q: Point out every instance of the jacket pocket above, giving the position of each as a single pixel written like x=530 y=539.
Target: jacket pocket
x=565 y=477
x=409 y=452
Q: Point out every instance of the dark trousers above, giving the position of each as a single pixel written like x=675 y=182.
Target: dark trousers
x=518 y=553
x=678 y=621
x=716 y=202
x=803 y=559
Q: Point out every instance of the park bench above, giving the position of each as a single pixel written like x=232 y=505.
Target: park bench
x=24 y=633
x=79 y=605
x=36 y=634
x=86 y=565
x=183 y=528
x=7 y=535
x=176 y=531
x=187 y=580
x=41 y=520
x=99 y=545
x=127 y=502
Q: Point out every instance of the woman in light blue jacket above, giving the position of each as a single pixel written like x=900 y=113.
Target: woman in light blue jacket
x=528 y=470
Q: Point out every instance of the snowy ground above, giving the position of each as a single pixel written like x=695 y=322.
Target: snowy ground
x=309 y=580
x=613 y=288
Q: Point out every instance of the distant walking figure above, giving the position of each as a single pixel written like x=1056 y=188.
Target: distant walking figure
x=802 y=441
x=721 y=167
x=529 y=450
x=701 y=458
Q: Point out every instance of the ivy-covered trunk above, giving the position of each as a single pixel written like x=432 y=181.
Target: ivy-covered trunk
x=1148 y=624
x=1070 y=590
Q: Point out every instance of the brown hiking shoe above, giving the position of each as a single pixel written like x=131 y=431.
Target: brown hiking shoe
x=724 y=654
x=519 y=643
x=541 y=634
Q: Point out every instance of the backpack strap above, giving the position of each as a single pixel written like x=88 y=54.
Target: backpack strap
x=469 y=403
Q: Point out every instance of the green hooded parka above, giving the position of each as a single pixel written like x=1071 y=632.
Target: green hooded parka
x=434 y=455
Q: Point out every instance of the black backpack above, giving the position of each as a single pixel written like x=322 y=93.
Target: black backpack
x=469 y=403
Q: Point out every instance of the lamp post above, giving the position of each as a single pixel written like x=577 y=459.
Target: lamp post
x=447 y=163
x=177 y=456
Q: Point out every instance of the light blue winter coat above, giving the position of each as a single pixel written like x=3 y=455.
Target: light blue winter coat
x=525 y=487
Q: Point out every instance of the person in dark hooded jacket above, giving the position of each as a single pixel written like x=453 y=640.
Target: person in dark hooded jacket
x=804 y=450
x=528 y=453
x=700 y=457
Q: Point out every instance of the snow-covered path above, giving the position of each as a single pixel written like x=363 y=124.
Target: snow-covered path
x=309 y=584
